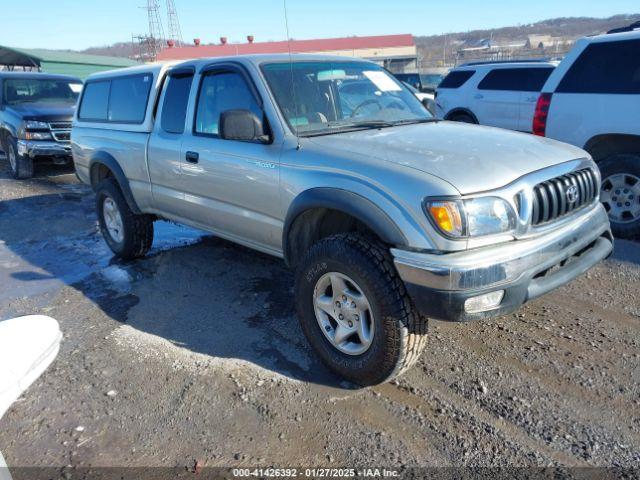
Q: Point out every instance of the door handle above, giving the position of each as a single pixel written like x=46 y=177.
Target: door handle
x=192 y=157
x=478 y=96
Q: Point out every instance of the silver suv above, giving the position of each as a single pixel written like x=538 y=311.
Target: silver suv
x=388 y=216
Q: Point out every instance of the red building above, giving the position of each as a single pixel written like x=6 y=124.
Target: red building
x=396 y=52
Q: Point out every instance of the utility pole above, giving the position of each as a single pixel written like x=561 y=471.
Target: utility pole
x=175 y=32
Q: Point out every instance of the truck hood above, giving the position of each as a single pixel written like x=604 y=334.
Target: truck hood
x=45 y=112
x=471 y=158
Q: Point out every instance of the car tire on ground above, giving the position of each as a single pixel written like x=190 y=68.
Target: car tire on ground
x=128 y=235
x=620 y=193
x=21 y=166
x=355 y=311
x=462 y=118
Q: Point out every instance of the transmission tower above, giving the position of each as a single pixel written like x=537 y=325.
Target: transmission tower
x=154 y=43
x=175 y=33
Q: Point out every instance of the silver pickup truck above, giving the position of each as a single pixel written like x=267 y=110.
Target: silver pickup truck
x=388 y=216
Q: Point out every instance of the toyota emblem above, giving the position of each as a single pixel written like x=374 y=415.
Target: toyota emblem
x=572 y=194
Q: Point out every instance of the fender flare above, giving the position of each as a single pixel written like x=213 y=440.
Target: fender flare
x=105 y=159
x=466 y=111
x=347 y=202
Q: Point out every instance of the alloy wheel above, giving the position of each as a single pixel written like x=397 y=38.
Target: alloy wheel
x=113 y=220
x=620 y=195
x=343 y=313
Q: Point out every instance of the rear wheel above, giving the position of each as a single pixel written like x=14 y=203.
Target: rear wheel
x=128 y=235
x=21 y=166
x=620 y=193
x=355 y=310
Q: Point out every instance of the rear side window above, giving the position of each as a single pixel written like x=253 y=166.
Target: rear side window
x=612 y=67
x=176 y=99
x=120 y=100
x=456 y=79
x=95 y=101
x=516 y=79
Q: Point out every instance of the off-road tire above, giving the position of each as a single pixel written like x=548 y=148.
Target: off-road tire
x=22 y=167
x=622 y=163
x=400 y=331
x=462 y=118
x=137 y=229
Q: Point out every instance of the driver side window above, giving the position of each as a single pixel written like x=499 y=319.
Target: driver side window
x=220 y=92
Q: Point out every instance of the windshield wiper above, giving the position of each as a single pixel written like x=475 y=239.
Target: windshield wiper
x=363 y=124
x=415 y=120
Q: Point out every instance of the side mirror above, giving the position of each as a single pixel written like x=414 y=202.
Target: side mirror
x=242 y=125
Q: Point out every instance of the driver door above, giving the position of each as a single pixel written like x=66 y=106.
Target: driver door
x=230 y=187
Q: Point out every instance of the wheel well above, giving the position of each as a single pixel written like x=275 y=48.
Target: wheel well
x=461 y=111
x=99 y=171
x=315 y=224
x=604 y=146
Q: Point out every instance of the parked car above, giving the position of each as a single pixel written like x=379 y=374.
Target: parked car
x=500 y=94
x=36 y=110
x=427 y=99
x=423 y=82
x=592 y=100
x=387 y=216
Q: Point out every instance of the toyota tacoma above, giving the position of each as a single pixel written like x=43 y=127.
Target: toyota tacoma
x=388 y=216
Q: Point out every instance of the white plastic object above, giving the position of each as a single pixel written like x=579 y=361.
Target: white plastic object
x=28 y=345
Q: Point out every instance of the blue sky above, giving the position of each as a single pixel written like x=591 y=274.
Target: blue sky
x=82 y=23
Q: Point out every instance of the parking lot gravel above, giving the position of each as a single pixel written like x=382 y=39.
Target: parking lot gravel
x=194 y=354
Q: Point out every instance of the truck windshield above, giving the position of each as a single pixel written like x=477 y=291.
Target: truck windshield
x=330 y=97
x=17 y=91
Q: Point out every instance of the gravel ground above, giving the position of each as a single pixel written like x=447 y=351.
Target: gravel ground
x=194 y=354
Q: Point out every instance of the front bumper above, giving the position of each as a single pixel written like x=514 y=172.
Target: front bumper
x=35 y=149
x=524 y=269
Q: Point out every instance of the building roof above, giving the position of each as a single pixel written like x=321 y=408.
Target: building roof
x=38 y=75
x=22 y=57
x=297 y=46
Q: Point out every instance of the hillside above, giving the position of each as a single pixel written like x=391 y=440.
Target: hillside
x=559 y=32
x=431 y=48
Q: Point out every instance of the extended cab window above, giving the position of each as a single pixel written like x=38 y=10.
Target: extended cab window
x=611 y=67
x=118 y=100
x=516 y=79
x=220 y=92
x=128 y=99
x=95 y=101
x=176 y=100
x=456 y=79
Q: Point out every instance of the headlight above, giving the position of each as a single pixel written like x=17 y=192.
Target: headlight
x=34 y=130
x=33 y=125
x=37 y=136
x=475 y=217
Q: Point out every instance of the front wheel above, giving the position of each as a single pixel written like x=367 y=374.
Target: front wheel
x=128 y=235
x=620 y=193
x=21 y=166
x=355 y=310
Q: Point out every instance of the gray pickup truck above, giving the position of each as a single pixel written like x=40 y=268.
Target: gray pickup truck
x=388 y=216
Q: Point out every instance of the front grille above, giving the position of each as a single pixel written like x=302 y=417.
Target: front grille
x=61 y=131
x=62 y=136
x=60 y=125
x=562 y=195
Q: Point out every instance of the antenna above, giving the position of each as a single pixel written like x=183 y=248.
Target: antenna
x=293 y=85
x=175 y=32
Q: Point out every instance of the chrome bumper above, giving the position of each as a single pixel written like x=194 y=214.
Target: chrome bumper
x=35 y=149
x=529 y=267
x=504 y=263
